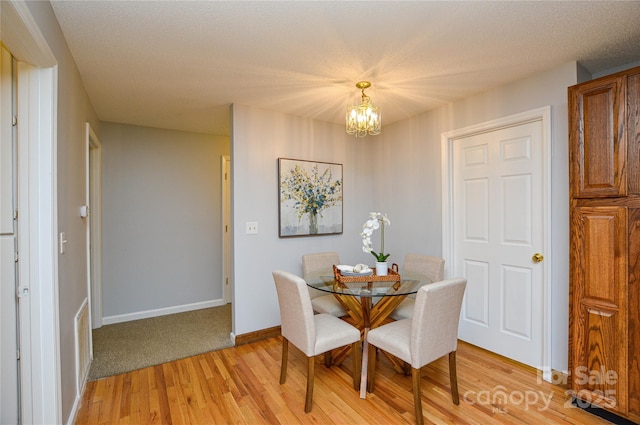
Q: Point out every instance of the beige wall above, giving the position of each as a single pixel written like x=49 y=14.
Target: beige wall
x=161 y=209
x=259 y=138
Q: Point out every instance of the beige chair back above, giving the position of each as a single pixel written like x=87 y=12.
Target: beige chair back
x=296 y=313
x=434 y=328
x=321 y=262
x=316 y=265
x=431 y=267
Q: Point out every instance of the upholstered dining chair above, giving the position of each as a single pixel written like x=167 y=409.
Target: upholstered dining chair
x=417 y=266
x=314 y=266
x=311 y=334
x=431 y=333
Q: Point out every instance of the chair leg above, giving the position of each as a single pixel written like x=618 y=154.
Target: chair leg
x=417 y=399
x=453 y=377
x=310 y=373
x=285 y=358
x=357 y=364
x=371 y=368
x=327 y=358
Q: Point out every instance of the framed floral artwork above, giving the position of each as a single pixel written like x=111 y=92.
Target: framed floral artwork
x=310 y=198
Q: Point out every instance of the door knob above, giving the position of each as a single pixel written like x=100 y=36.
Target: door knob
x=537 y=257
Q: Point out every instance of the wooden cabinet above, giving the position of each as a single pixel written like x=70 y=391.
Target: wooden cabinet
x=604 y=315
x=599 y=143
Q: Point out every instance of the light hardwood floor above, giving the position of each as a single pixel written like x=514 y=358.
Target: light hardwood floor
x=240 y=385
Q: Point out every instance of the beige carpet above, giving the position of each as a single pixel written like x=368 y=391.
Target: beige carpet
x=128 y=346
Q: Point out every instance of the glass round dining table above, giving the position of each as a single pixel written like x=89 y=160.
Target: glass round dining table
x=369 y=302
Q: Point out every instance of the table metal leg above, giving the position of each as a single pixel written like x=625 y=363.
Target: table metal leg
x=365 y=364
x=365 y=315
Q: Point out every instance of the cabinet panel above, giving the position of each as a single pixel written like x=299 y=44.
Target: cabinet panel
x=634 y=314
x=599 y=306
x=633 y=132
x=598 y=139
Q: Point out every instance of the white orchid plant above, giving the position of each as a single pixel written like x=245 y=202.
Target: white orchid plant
x=376 y=221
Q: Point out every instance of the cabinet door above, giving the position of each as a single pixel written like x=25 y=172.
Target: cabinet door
x=597 y=138
x=598 y=321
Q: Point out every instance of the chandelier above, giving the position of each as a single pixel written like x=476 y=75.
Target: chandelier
x=364 y=118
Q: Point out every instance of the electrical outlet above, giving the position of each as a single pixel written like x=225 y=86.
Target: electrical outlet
x=252 y=228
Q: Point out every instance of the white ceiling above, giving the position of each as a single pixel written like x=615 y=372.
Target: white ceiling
x=180 y=64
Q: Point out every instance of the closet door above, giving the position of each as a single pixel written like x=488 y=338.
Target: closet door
x=599 y=303
x=598 y=139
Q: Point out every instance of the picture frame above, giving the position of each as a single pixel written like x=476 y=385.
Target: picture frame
x=310 y=199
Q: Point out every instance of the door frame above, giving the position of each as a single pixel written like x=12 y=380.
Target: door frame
x=38 y=213
x=448 y=246
x=94 y=229
x=9 y=304
x=227 y=237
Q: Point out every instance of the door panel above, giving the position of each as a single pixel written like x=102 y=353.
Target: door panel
x=599 y=145
x=599 y=299
x=9 y=374
x=498 y=226
x=516 y=197
x=476 y=209
x=6 y=145
x=476 y=302
x=517 y=291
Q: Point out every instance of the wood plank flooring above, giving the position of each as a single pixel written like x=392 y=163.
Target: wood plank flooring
x=239 y=385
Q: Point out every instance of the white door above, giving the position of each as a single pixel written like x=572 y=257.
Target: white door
x=498 y=227
x=9 y=343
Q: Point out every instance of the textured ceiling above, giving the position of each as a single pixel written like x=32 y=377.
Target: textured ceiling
x=180 y=64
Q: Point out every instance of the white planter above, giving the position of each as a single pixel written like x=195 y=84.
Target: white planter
x=382 y=268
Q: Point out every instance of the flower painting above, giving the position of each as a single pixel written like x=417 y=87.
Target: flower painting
x=310 y=197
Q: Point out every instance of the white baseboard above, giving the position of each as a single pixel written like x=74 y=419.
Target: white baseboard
x=109 y=320
x=77 y=404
